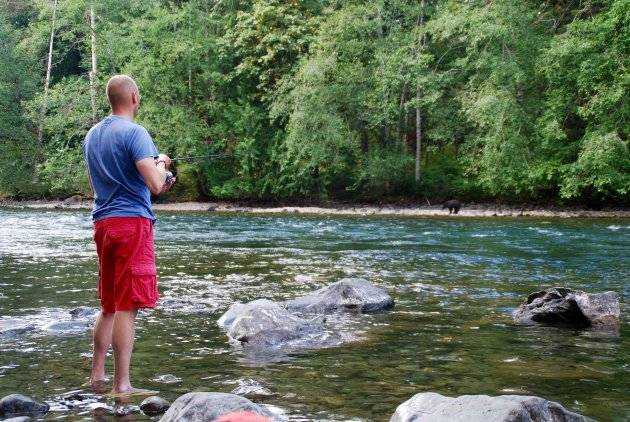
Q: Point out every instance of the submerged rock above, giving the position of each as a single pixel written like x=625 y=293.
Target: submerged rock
x=348 y=294
x=154 y=405
x=67 y=326
x=432 y=407
x=15 y=405
x=84 y=312
x=14 y=327
x=251 y=387
x=167 y=379
x=187 y=305
x=203 y=407
x=559 y=305
x=265 y=324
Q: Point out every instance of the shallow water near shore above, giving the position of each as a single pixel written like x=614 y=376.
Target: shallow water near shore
x=455 y=283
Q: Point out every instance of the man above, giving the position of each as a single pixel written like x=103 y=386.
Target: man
x=124 y=168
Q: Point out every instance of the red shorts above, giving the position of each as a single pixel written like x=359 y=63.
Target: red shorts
x=127 y=278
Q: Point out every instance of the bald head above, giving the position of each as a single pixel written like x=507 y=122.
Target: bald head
x=119 y=89
x=123 y=95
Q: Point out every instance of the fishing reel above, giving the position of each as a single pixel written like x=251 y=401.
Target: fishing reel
x=170 y=179
x=169 y=176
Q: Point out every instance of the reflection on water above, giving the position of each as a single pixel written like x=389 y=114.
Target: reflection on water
x=455 y=283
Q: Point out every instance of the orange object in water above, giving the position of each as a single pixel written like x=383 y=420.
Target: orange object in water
x=242 y=417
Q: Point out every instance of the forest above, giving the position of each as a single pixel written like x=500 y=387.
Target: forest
x=310 y=100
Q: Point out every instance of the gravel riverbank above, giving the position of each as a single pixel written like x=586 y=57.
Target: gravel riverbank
x=475 y=210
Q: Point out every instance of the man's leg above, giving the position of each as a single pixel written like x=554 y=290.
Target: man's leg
x=102 y=340
x=123 y=335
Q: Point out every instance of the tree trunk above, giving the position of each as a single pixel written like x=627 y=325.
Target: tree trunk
x=93 y=72
x=43 y=110
x=418 y=132
x=402 y=120
x=418 y=97
x=387 y=129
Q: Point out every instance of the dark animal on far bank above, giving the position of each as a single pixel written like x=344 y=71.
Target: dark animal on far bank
x=453 y=204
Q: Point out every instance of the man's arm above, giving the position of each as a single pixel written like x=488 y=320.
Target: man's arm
x=154 y=174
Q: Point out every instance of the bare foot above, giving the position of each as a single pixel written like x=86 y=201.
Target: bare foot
x=99 y=386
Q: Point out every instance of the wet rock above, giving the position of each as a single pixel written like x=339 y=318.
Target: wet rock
x=251 y=387
x=84 y=312
x=187 y=306
x=67 y=326
x=72 y=401
x=559 y=305
x=154 y=405
x=432 y=407
x=14 y=327
x=200 y=407
x=15 y=405
x=265 y=324
x=167 y=379
x=348 y=294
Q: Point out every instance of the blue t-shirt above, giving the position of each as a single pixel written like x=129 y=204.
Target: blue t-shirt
x=111 y=149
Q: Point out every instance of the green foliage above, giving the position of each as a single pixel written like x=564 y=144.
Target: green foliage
x=585 y=123
x=385 y=174
x=63 y=173
x=267 y=40
x=18 y=147
x=514 y=100
x=603 y=165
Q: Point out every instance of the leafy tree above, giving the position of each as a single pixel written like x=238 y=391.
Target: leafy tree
x=585 y=124
x=17 y=141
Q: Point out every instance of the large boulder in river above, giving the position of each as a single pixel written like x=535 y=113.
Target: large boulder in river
x=348 y=294
x=16 y=405
x=263 y=323
x=433 y=407
x=559 y=305
x=206 y=407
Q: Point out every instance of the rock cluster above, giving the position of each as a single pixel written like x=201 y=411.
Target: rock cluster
x=266 y=324
x=564 y=306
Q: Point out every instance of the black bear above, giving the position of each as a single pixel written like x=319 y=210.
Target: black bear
x=453 y=204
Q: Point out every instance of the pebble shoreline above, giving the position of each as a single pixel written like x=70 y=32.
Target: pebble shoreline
x=480 y=210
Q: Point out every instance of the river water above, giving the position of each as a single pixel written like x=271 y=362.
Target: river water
x=455 y=282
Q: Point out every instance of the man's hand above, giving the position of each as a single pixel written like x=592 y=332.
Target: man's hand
x=169 y=183
x=163 y=158
x=154 y=172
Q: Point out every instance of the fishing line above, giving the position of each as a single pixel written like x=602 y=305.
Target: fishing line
x=201 y=157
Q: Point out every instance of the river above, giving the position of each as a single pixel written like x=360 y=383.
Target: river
x=455 y=283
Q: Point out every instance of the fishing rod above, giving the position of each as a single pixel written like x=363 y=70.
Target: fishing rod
x=200 y=157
